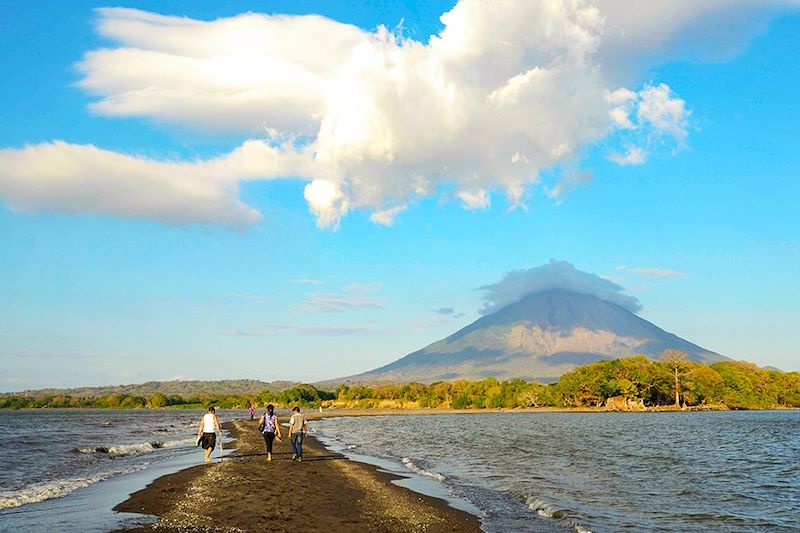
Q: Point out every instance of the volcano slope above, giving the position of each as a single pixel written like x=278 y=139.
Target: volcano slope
x=538 y=338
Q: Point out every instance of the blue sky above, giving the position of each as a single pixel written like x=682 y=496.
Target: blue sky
x=307 y=256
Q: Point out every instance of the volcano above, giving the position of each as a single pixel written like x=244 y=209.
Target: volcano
x=538 y=338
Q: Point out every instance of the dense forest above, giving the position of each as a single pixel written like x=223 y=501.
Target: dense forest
x=635 y=381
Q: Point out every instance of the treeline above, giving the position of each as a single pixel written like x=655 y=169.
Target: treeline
x=183 y=388
x=303 y=395
x=729 y=384
x=672 y=381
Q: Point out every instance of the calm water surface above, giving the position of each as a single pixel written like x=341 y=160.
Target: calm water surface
x=722 y=471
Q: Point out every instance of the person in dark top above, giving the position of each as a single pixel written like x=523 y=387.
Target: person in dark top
x=271 y=429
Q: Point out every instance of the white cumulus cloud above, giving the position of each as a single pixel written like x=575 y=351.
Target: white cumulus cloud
x=238 y=73
x=507 y=89
x=554 y=275
x=633 y=156
x=387 y=216
x=666 y=114
x=86 y=179
x=477 y=198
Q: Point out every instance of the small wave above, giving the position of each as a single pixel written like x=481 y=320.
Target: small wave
x=542 y=508
x=352 y=446
x=421 y=471
x=550 y=511
x=139 y=448
x=56 y=489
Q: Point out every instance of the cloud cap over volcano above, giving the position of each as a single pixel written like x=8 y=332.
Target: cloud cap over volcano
x=554 y=275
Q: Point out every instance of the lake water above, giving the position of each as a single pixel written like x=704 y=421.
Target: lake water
x=733 y=471
x=64 y=469
x=714 y=471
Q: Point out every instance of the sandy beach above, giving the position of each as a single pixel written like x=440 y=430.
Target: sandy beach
x=326 y=492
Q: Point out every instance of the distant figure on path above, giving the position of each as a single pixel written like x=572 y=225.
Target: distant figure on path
x=252 y=411
x=298 y=428
x=207 y=432
x=271 y=428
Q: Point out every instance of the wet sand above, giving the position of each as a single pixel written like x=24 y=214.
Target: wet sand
x=326 y=492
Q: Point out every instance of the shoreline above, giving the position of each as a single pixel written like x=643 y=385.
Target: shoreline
x=326 y=492
x=363 y=411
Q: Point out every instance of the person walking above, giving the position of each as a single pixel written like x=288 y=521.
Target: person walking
x=298 y=428
x=252 y=411
x=207 y=432
x=271 y=429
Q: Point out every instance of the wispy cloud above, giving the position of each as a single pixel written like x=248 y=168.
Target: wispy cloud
x=633 y=156
x=314 y=330
x=449 y=311
x=332 y=302
x=352 y=296
x=186 y=305
x=652 y=272
x=427 y=323
x=444 y=316
x=362 y=288
x=249 y=297
x=307 y=281
x=172 y=303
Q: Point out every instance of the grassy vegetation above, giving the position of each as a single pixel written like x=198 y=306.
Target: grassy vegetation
x=730 y=384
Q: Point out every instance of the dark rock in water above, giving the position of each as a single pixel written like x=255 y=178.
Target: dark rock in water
x=539 y=337
x=101 y=449
x=156 y=444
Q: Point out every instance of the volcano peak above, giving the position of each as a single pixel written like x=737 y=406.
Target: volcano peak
x=540 y=336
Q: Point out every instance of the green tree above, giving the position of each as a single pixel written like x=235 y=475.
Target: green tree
x=158 y=400
x=582 y=386
x=702 y=385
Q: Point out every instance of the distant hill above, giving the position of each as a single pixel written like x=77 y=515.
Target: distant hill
x=179 y=387
x=539 y=337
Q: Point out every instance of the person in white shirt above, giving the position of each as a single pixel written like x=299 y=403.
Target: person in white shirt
x=207 y=432
x=298 y=428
